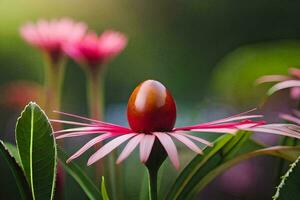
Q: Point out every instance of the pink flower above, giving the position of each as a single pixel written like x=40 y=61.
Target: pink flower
x=292 y=82
x=291 y=129
x=93 y=50
x=295 y=118
x=151 y=114
x=50 y=36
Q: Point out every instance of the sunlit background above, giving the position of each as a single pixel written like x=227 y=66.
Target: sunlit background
x=207 y=52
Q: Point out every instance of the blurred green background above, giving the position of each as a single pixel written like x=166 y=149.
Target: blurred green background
x=207 y=52
x=177 y=42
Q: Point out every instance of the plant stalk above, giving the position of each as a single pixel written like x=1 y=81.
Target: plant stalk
x=95 y=93
x=54 y=76
x=96 y=100
x=152 y=178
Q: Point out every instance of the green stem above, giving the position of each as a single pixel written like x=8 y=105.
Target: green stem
x=152 y=177
x=54 y=76
x=95 y=94
x=96 y=99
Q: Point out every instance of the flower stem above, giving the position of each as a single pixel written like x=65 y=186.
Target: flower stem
x=154 y=162
x=152 y=177
x=95 y=94
x=96 y=101
x=54 y=76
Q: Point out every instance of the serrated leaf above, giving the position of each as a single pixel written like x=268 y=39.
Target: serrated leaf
x=37 y=150
x=14 y=152
x=289 y=187
x=17 y=172
x=103 y=190
x=80 y=177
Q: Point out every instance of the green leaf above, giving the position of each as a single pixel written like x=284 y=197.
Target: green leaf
x=80 y=177
x=37 y=150
x=289 y=187
x=14 y=152
x=183 y=183
x=17 y=172
x=103 y=190
x=200 y=172
x=277 y=151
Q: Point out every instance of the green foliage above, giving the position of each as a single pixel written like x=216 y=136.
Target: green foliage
x=37 y=150
x=16 y=170
x=80 y=177
x=190 y=175
x=103 y=190
x=250 y=62
x=289 y=187
x=226 y=153
x=14 y=152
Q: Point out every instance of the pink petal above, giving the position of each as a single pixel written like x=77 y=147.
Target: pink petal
x=187 y=142
x=70 y=122
x=92 y=120
x=284 y=85
x=290 y=118
x=76 y=134
x=89 y=145
x=236 y=118
x=290 y=130
x=221 y=123
x=295 y=93
x=110 y=146
x=130 y=147
x=146 y=145
x=77 y=129
x=272 y=78
x=170 y=148
x=216 y=130
x=198 y=139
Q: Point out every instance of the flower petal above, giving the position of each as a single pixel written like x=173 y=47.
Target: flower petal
x=89 y=145
x=272 y=78
x=170 y=148
x=110 y=146
x=284 y=85
x=91 y=120
x=198 y=139
x=290 y=130
x=187 y=142
x=129 y=147
x=146 y=147
x=216 y=130
x=290 y=118
x=77 y=134
x=69 y=122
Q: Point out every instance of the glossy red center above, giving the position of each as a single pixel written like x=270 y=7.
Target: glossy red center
x=151 y=108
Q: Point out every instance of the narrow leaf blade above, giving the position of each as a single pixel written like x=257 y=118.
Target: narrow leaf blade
x=80 y=177
x=103 y=190
x=17 y=172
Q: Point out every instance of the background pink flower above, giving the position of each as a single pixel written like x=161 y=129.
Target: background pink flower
x=292 y=81
x=95 y=50
x=50 y=36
